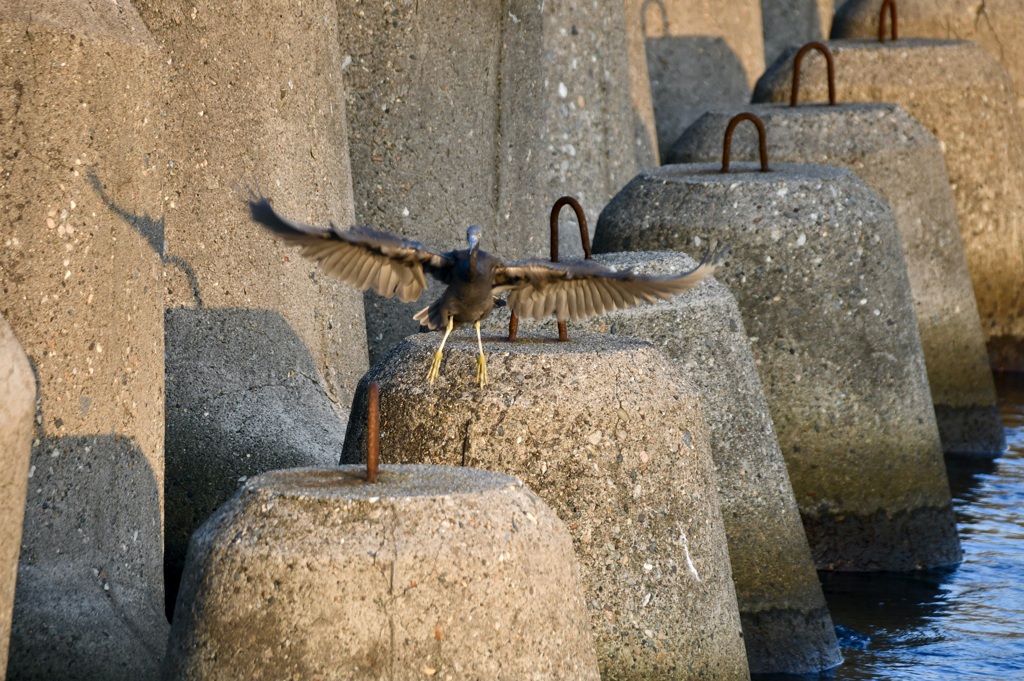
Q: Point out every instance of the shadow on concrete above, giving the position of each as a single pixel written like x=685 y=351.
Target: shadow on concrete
x=691 y=75
x=243 y=397
x=87 y=604
x=789 y=22
x=152 y=230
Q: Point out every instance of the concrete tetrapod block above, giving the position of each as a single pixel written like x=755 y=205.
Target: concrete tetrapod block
x=82 y=292
x=467 y=112
x=786 y=624
x=819 y=276
x=956 y=90
x=900 y=160
x=17 y=409
x=700 y=54
x=996 y=25
x=433 y=572
x=606 y=432
x=253 y=93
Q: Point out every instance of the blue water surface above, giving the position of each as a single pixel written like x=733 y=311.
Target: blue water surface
x=960 y=623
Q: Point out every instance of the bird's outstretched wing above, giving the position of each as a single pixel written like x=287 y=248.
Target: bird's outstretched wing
x=581 y=289
x=360 y=256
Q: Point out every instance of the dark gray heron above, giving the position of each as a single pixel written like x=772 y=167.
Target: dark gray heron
x=536 y=288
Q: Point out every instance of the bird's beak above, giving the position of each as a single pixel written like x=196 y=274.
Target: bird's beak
x=474 y=239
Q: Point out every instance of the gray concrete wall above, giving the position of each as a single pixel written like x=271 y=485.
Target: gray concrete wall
x=483 y=113
x=17 y=425
x=81 y=275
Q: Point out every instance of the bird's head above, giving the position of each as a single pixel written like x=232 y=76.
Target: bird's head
x=473 y=236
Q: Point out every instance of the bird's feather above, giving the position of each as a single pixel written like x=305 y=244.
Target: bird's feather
x=360 y=256
x=577 y=290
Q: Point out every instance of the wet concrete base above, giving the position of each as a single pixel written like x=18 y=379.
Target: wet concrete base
x=908 y=540
x=768 y=632
x=960 y=427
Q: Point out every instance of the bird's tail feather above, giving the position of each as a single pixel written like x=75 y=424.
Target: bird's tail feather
x=430 y=316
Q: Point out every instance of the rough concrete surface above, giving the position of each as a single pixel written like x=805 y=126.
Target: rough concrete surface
x=608 y=433
x=818 y=273
x=433 y=572
x=956 y=90
x=483 y=113
x=996 y=25
x=248 y=402
x=794 y=22
x=786 y=625
x=640 y=87
x=253 y=93
x=700 y=55
x=17 y=412
x=79 y=110
x=901 y=161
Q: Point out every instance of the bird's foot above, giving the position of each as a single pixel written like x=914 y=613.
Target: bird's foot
x=435 y=368
x=481 y=370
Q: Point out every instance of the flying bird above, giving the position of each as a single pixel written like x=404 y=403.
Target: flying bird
x=536 y=288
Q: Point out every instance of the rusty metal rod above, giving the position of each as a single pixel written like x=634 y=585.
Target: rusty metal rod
x=891 y=5
x=762 y=140
x=829 y=61
x=373 y=434
x=556 y=209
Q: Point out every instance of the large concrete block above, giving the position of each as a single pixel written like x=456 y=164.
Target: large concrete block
x=315 y=574
x=602 y=429
x=82 y=291
x=956 y=90
x=700 y=55
x=786 y=624
x=996 y=25
x=482 y=113
x=17 y=409
x=900 y=160
x=819 y=276
x=253 y=93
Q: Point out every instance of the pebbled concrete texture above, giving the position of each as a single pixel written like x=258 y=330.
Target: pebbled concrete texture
x=794 y=22
x=434 y=571
x=605 y=430
x=17 y=412
x=699 y=55
x=246 y=403
x=995 y=25
x=81 y=289
x=536 y=104
x=252 y=93
x=963 y=96
x=818 y=273
x=900 y=160
x=786 y=625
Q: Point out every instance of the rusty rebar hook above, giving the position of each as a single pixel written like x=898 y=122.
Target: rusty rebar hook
x=581 y=218
x=762 y=140
x=829 y=61
x=373 y=434
x=891 y=5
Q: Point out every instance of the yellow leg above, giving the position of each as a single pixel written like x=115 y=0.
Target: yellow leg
x=481 y=361
x=436 y=366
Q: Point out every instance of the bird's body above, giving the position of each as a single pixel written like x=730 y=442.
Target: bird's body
x=391 y=266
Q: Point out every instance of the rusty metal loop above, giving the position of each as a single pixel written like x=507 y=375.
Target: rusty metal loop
x=762 y=140
x=373 y=434
x=823 y=48
x=891 y=5
x=664 y=16
x=580 y=217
